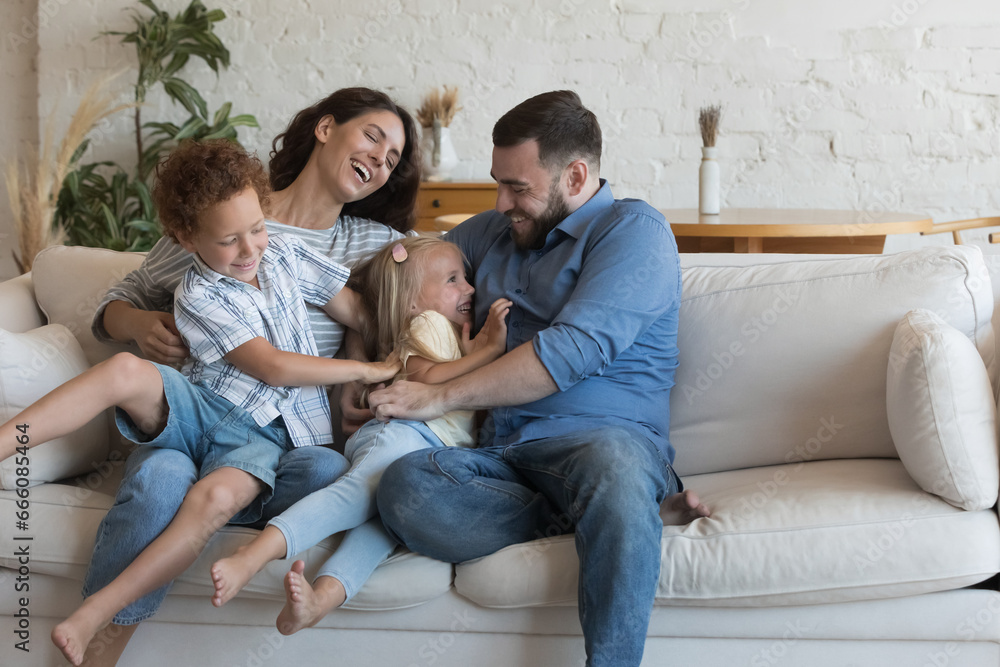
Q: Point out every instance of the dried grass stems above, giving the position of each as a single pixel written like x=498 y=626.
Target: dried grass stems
x=708 y=123
x=33 y=189
x=438 y=106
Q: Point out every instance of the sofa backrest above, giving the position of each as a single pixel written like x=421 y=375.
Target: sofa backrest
x=70 y=282
x=787 y=362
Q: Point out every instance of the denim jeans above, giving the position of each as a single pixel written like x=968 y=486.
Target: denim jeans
x=153 y=487
x=605 y=484
x=349 y=503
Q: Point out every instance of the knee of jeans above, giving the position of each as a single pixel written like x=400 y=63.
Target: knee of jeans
x=625 y=474
x=311 y=467
x=401 y=493
x=157 y=475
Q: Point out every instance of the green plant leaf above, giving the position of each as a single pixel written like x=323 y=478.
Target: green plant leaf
x=183 y=92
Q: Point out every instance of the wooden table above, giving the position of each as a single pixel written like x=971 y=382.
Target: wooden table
x=789 y=230
x=450 y=197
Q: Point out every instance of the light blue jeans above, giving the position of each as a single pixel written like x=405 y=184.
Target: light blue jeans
x=349 y=503
x=153 y=487
x=605 y=484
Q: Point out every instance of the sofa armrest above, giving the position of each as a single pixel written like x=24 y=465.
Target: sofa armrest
x=19 y=312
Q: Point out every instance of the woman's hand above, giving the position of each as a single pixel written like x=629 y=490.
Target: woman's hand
x=153 y=331
x=493 y=336
x=352 y=415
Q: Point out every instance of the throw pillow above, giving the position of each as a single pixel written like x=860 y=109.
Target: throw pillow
x=941 y=410
x=31 y=365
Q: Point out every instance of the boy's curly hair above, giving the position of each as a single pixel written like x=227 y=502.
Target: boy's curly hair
x=200 y=174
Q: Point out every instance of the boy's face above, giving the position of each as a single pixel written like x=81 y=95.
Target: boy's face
x=231 y=237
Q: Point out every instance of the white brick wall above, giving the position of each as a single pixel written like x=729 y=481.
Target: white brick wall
x=18 y=105
x=852 y=108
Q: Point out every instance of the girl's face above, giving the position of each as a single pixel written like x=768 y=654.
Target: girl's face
x=357 y=156
x=444 y=288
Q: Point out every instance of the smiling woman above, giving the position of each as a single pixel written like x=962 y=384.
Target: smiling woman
x=345 y=175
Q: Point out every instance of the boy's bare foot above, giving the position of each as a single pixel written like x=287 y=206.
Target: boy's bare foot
x=682 y=508
x=305 y=605
x=73 y=636
x=231 y=574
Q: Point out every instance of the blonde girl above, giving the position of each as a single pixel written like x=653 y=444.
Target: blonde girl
x=416 y=292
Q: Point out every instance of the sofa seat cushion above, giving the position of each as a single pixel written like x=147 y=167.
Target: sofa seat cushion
x=65 y=518
x=804 y=533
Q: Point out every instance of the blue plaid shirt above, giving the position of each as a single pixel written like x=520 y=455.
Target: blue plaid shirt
x=216 y=314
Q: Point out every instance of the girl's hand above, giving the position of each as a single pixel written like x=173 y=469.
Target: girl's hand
x=380 y=371
x=493 y=335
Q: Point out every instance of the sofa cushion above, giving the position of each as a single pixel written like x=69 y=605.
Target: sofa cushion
x=65 y=519
x=804 y=533
x=942 y=414
x=70 y=282
x=31 y=365
x=795 y=354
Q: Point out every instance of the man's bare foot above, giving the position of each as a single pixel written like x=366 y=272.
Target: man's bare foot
x=682 y=508
x=231 y=574
x=305 y=605
x=73 y=636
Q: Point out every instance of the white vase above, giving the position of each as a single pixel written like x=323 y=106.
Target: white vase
x=708 y=182
x=439 y=154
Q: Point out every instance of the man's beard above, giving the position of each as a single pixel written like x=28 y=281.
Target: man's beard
x=555 y=212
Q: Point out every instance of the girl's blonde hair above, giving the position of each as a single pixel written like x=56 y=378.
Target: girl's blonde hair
x=388 y=287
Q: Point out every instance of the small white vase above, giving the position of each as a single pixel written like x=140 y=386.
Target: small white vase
x=439 y=154
x=708 y=182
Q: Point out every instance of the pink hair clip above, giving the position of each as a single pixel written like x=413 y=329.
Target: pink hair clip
x=399 y=253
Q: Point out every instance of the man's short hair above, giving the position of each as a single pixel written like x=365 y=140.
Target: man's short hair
x=564 y=129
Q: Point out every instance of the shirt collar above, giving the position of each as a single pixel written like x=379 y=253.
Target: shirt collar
x=576 y=223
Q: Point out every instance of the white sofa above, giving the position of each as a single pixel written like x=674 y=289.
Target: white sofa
x=823 y=548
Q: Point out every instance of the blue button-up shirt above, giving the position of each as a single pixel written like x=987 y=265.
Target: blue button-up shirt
x=215 y=314
x=599 y=303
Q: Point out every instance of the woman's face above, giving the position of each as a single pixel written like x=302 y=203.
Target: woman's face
x=357 y=156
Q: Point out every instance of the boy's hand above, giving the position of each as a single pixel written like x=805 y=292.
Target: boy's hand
x=493 y=335
x=380 y=371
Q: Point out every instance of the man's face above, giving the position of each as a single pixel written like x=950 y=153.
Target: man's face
x=528 y=193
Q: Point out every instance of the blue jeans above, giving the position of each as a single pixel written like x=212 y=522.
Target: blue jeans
x=153 y=487
x=349 y=503
x=605 y=484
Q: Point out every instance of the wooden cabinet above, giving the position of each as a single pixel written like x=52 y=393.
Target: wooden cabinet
x=446 y=198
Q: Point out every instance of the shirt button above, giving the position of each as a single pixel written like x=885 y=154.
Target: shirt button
x=517 y=291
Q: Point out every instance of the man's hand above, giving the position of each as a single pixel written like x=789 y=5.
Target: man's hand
x=156 y=335
x=408 y=400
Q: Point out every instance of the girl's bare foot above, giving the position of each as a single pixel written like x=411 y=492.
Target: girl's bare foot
x=73 y=636
x=305 y=605
x=682 y=508
x=231 y=574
